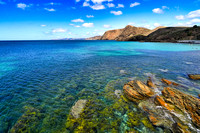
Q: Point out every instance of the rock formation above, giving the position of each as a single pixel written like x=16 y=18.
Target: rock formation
x=170 y=34
x=111 y=34
x=172 y=109
x=130 y=31
x=94 y=38
x=78 y=108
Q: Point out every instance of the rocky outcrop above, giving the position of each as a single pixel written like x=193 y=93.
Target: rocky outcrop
x=111 y=34
x=94 y=38
x=171 y=109
x=125 y=34
x=170 y=34
x=194 y=76
x=77 y=109
x=130 y=31
x=137 y=91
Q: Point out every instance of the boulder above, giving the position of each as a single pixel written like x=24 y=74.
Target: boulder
x=150 y=83
x=167 y=82
x=136 y=91
x=77 y=109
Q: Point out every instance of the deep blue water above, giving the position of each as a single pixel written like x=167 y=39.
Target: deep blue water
x=41 y=74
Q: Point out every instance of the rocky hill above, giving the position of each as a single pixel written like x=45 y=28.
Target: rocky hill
x=159 y=34
x=130 y=31
x=111 y=34
x=170 y=34
x=94 y=38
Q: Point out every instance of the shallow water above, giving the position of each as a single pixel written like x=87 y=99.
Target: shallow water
x=51 y=75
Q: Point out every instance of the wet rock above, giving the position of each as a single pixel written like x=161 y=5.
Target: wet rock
x=122 y=72
x=77 y=109
x=183 y=103
x=27 y=122
x=167 y=82
x=199 y=95
x=136 y=91
x=150 y=83
x=179 y=128
x=118 y=93
x=169 y=109
x=194 y=76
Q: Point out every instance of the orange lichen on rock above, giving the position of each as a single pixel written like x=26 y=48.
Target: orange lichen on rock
x=159 y=100
x=184 y=103
x=167 y=82
x=136 y=90
x=150 y=83
x=153 y=120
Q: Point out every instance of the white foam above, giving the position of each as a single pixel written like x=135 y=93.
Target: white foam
x=163 y=70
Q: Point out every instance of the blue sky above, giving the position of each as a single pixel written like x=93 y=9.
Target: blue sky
x=55 y=19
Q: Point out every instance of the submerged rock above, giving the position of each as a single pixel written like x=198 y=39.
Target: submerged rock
x=194 y=76
x=27 y=122
x=167 y=82
x=122 y=72
x=136 y=91
x=118 y=93
x=78 y=108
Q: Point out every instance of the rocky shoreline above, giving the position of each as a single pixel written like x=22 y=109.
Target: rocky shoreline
x=156 y=105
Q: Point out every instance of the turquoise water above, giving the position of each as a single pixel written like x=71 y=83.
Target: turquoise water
x=50 y=76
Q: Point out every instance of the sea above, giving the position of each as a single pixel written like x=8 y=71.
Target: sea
x=41 y=80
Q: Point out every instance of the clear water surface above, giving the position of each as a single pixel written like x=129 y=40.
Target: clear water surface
x=51 y=75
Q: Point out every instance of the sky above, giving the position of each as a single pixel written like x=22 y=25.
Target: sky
x=57 y=19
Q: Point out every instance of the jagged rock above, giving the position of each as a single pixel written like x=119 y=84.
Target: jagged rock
x=136 y=91
x=184 y=103
x=77 y=109
x=194 y=76
x=150 y=83
x=167 y=82
x=171 y=109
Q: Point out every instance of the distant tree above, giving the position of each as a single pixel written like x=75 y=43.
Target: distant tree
x=195 y=26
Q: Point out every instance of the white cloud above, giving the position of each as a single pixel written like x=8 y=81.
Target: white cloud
x=89 y=16
x=78 y=20
x=86 y=3
x=120 y=6
x=59 y=30
x=156 y=24
x=97 y=7
x=194 y=14
x=78 y=0
x=50 y=9
x=193 y=21
x=43 y=25
x=116 y=12
x=88 y=25
x=2 y=3
x=158 y=10
x=22 y=6
x=165 y=7
x=52 y=3
x=110 y=5
x=134 y=4
x=106 y=26
x=180 y=17
x=100 y=1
